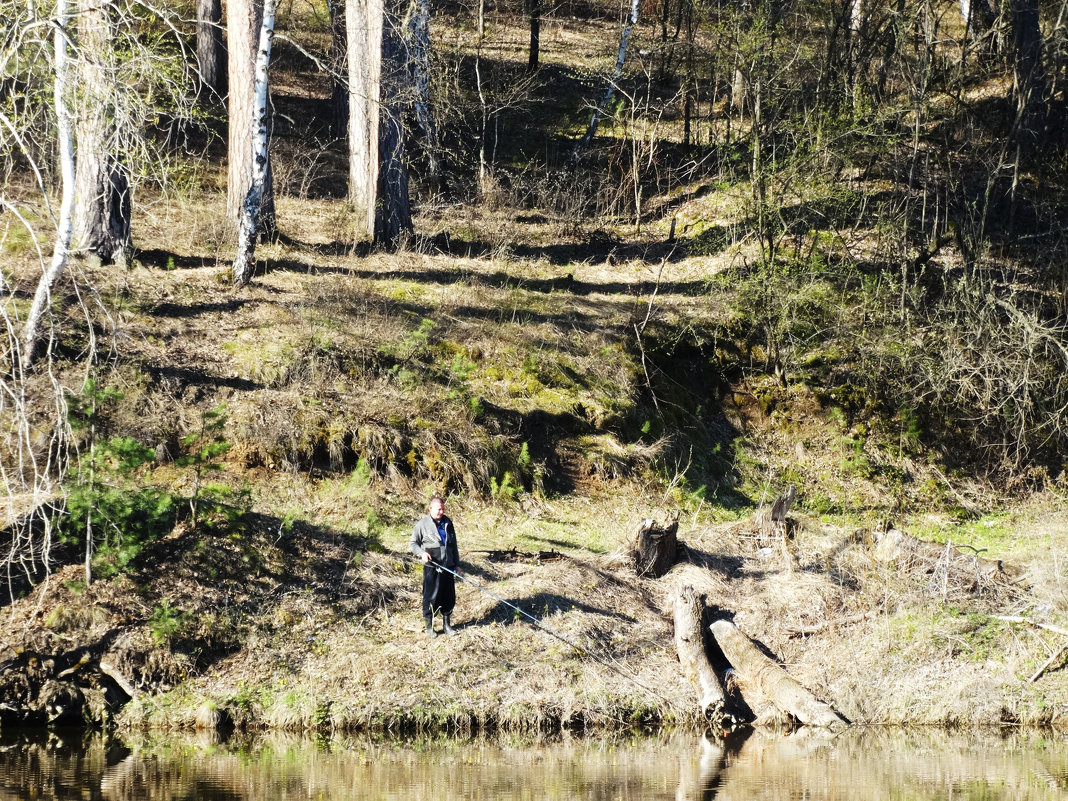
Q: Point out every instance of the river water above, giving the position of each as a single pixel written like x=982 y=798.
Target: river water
x=861 y=764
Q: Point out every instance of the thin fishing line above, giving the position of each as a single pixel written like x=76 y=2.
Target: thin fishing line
x=561 y=637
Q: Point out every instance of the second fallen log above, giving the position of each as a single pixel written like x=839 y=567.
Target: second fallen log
x=761 y=674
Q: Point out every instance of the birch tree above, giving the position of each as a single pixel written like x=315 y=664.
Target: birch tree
x=245 y=260
x=109 y=69
x=613 y=81
x=31 y=332
x=244 y=21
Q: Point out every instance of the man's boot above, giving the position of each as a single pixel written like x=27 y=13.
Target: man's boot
x=448 y=626
x=430 y=626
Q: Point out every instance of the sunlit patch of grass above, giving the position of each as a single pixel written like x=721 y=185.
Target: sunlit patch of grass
x=15 y=238
x=263 y=360
x=992 y=535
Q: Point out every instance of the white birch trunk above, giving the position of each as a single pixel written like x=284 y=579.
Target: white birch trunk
x=856 y=15
x=65 y=225
x=485 y=182
x=245 y=260
x=244 y=21
x=617 y=73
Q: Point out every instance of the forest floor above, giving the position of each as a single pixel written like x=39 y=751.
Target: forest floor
x=302 y=612
x=560 y=376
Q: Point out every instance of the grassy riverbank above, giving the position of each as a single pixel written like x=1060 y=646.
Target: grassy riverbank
x=310 y=628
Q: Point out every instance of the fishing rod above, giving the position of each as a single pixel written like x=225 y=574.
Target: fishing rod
x=581 y=649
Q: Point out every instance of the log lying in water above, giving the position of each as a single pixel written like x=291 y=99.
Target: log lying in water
x=690 y=643
x=760 y=673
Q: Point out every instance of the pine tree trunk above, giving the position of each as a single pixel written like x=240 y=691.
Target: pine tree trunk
x=211 y=53
x=393 y=215
x=1030 y=84
x=363 y=26
x=378 y=170
x=535 y=35
x=419 y=36
x=244 y=19
x=102 y=185
x=979 y=16
x=339 y=89
x=31 y=332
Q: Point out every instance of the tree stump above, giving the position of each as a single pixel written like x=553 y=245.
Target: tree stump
x=655 y=548
x=693 y=657
x=773 y=526
x=782 y=505
x=759 y=674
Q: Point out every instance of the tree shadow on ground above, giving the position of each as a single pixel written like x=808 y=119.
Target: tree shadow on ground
x=728 y=565
x=566 y=284
x=156 y=258
x=538 y=606
x=180 y=311
x=178 y=379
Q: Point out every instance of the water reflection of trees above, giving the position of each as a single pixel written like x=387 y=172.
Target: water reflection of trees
x=858 y=764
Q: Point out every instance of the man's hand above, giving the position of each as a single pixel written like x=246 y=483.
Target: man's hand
x=426 y=558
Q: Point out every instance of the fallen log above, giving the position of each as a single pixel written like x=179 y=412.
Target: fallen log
x=1045 y=665
x=756 y=672
x=116 y=676
x=656 y=548
x=816 y=628
x=690 y=643
x=896 y=546
x=1017 y=619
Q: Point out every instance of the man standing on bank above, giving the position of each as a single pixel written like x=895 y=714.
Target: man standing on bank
x=434 y=541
